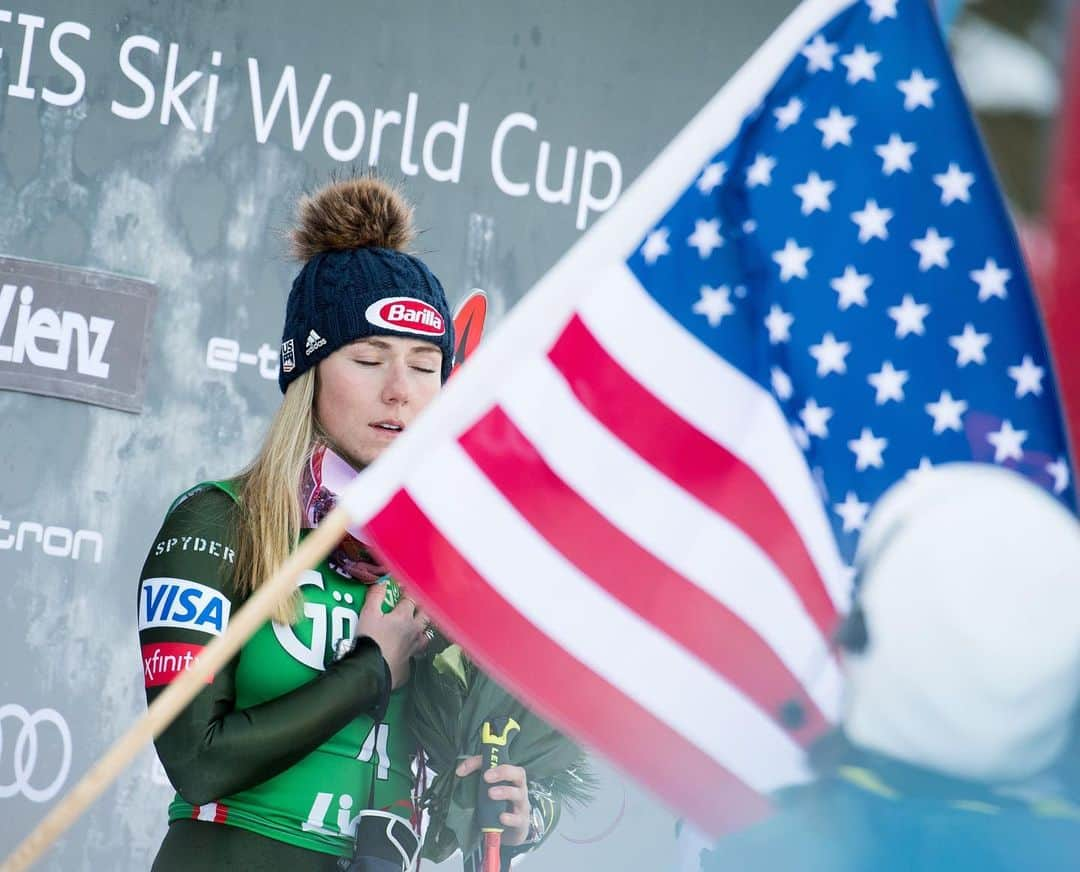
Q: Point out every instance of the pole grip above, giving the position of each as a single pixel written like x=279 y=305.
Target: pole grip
x=495 y=738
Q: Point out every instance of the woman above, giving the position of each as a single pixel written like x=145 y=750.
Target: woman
x=297 y=749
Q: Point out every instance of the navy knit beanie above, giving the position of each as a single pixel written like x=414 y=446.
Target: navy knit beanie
x=356 y=280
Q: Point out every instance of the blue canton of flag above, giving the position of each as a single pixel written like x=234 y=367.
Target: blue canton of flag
x=850 y=252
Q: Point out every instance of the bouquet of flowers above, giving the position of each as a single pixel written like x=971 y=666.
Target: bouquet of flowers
x=450 y=700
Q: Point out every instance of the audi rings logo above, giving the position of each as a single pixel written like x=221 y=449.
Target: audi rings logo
x=21 y=733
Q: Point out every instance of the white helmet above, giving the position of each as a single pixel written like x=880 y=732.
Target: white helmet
x=970 y=593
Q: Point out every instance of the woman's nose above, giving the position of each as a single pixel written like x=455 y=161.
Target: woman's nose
x=396 y=387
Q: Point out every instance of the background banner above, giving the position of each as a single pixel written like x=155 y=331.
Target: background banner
x=167 y=143
x=162 y=146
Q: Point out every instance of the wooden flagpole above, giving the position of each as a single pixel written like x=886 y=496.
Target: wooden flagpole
x=252 y=615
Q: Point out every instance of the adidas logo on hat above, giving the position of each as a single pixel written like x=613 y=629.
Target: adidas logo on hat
x=314 y=343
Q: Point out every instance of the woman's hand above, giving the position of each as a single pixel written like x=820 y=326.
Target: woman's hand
x=399 y=633
x=516 y=791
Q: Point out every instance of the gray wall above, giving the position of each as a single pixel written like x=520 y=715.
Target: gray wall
x=198 y=214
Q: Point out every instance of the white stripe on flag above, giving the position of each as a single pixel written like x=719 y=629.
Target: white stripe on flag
x=739 y=414
x=597 y=629
x=698 y=543
x=208 y=811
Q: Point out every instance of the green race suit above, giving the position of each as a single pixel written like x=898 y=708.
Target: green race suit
x=286 y=741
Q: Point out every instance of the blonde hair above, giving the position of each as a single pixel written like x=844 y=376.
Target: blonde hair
x=341 y=216
x=268 y=524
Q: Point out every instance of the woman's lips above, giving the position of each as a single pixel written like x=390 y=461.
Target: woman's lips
x=388 y=429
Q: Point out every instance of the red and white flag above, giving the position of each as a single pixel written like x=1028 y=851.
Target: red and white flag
x=617 y=523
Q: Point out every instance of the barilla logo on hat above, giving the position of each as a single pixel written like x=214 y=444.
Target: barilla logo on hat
x=407 y=314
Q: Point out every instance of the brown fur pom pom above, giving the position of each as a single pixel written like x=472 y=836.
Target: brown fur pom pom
x=363 y=212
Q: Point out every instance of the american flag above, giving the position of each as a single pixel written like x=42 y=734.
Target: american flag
x=637 y=505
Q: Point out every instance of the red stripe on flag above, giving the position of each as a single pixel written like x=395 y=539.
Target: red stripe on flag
x=691 y=459
x=510 y=648
x=634 y=576
x=221 y=813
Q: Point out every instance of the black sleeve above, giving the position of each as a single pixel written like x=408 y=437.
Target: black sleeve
x=212 y=749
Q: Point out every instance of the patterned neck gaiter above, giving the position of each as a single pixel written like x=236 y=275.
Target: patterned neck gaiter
x=324 y=476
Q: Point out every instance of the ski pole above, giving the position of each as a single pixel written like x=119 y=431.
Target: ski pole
x=495 y=738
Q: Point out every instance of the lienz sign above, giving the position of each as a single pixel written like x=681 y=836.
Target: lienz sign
x=74 y=333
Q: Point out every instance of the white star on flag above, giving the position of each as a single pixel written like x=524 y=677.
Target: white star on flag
x=970 y=346
x=868 y=450
x=918 y=91
x=888 y=383
x=896 y=154
x=792 y=260
x=872 y=221
x=815 y=418
x=778 y=323
x=781 y=383
x=835 y=128
x=712 y=176
x=991 y=280
x=715 y=304
x=789 y=113
x=881 y=9
x=909 y=316
x=955 y=185
x=1059 y=471
x=830 y=355
x=1008 y=443
x=946 y=413
x=933 y=250
x=760 y=171
x=814 y=193
x=819 y=54
x=655 y=246
x=706 y=237
x=852 y=512
x=860 y=65
x=919 y=471
x=1028 y=377
x=852 y=288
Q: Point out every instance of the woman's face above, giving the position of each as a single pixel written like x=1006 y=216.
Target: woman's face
x=369 y=391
